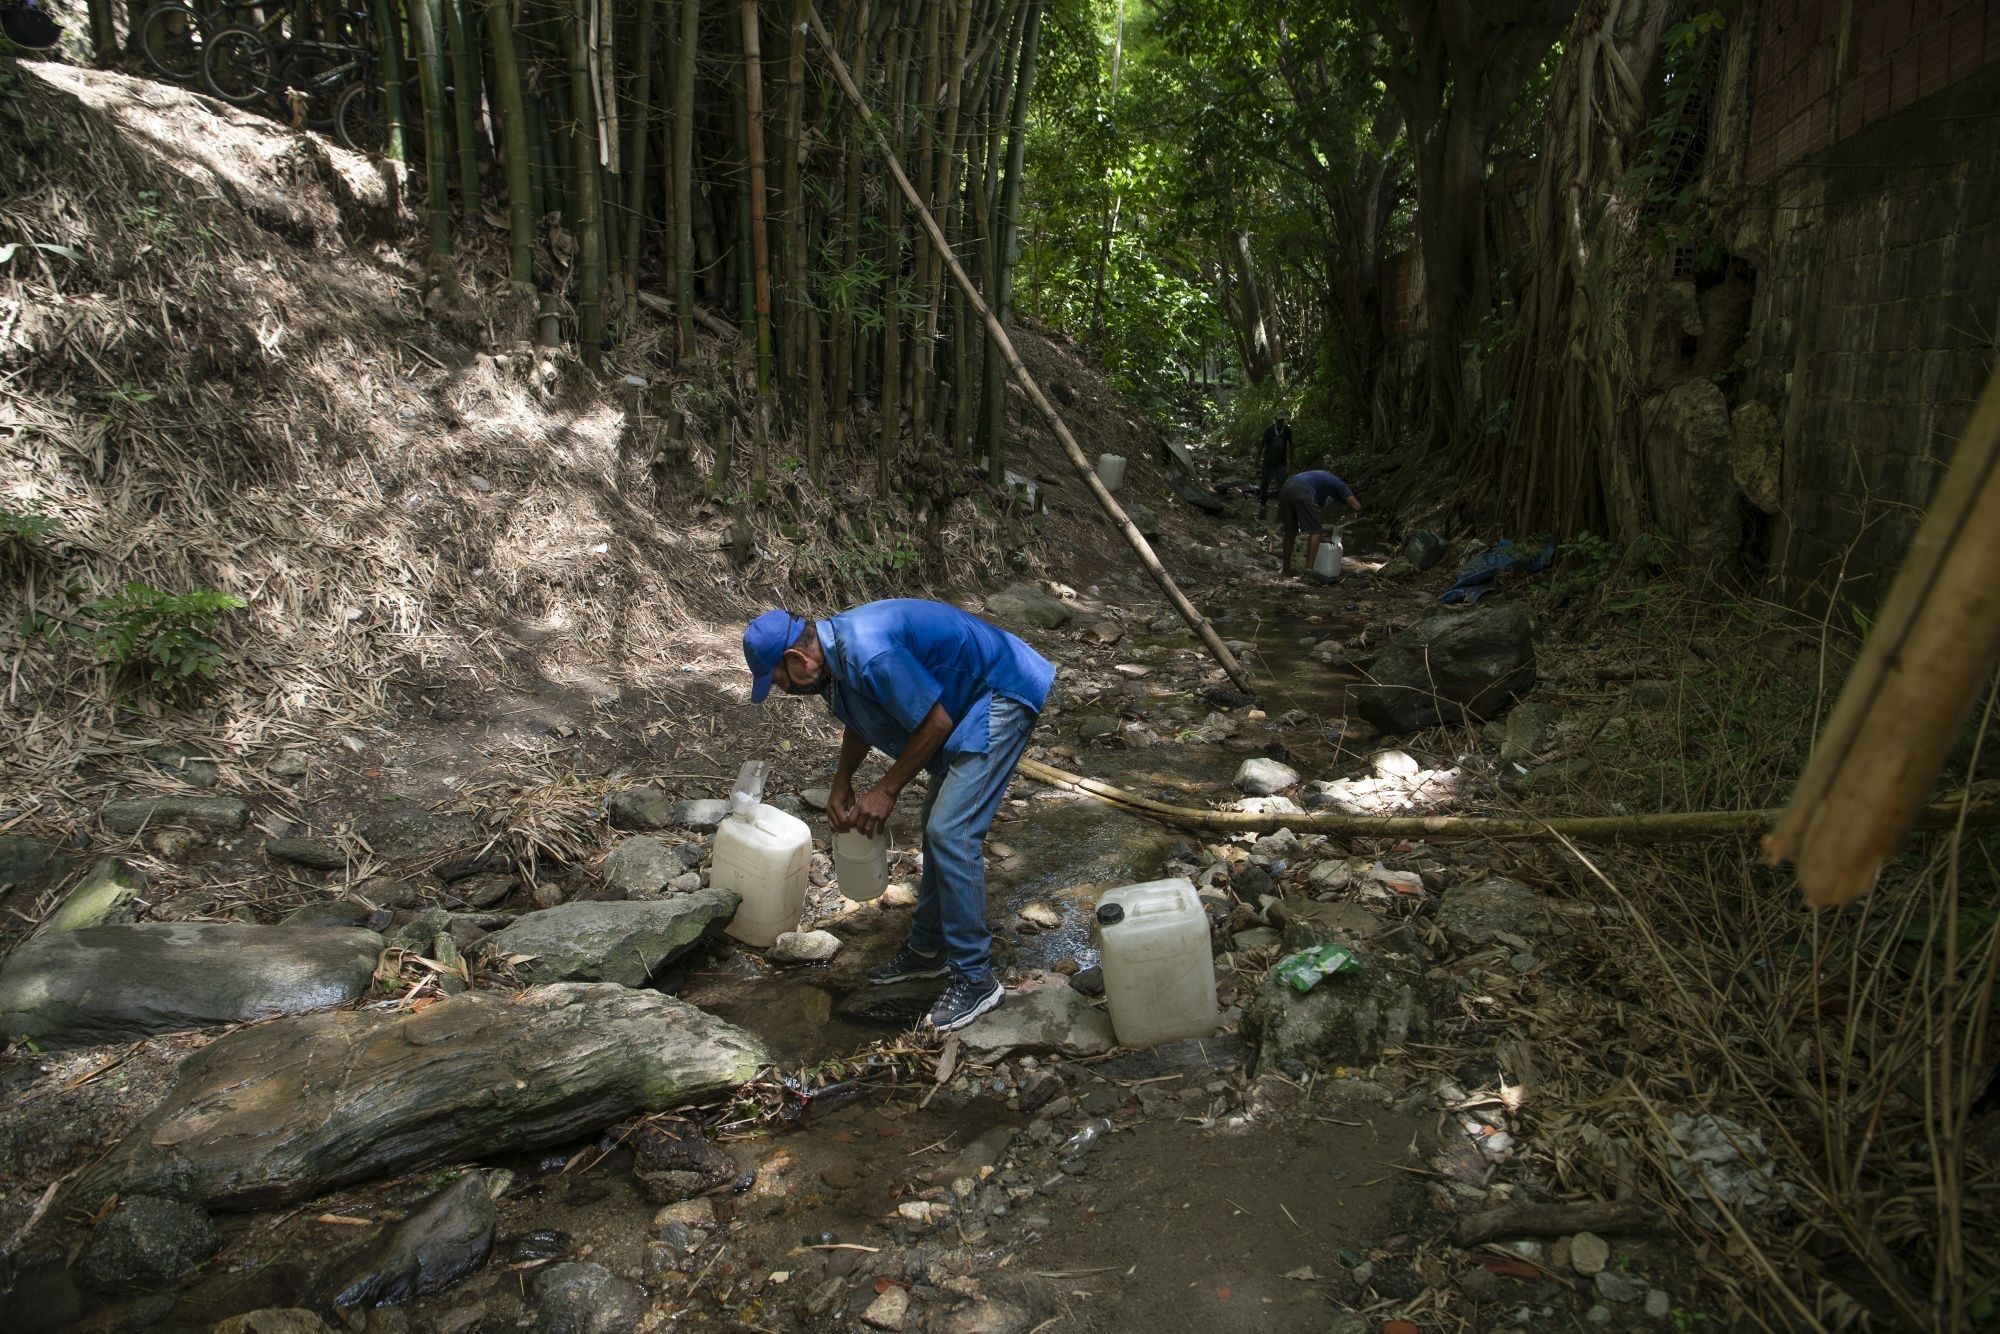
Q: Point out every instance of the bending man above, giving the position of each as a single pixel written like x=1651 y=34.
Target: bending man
x=1299 y=502
x=939 y=691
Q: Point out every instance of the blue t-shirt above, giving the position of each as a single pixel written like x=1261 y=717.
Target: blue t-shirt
x=893 y=660
x=1325 y=486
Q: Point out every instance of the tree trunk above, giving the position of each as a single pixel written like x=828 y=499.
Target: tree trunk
x=588 y=225
x=690 y=42
x=1007 y=226
x=521 y=188
x=635 y=156
x=760 y=236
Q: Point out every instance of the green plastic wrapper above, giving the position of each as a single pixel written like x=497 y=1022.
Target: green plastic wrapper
x=1304 y=969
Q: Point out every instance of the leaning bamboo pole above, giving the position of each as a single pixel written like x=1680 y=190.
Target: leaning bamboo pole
x=1932 y=650
x=1201 y=625
x=1581 y=828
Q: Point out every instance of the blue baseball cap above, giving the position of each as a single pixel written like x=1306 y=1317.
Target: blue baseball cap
x=764 y=643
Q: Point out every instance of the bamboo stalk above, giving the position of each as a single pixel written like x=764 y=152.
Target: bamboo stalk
x=1582 y=829
x=389 y=31
x=424 y=16
x=588 y=223
x=1143 y=549
x=635 y=157
x=1933 y=647
x=690 y=43
x=464 y=103
x=513 y=141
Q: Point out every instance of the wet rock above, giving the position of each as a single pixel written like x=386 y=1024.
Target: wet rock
x=108 y=895
x=342 y=911
x=1025 y=604
x=1449 y=666
x=1260 y=777
x=290 y=765
x=1089 y=981
x=132 y=814
x=1096 y=727
x=185 y=763
x=147 y=1243
x=488 y=890
x=703 y=813
x=29 y=861
x=640 y=808
x=673 y=1162
x=1613 y=1286
x=685 y=1214
x=897 y=1005
x=490 y=861
x=586 y=1299
x=1529 y=725
x=889 y=1310
x=1347 y=1019
x=1047 y=1020
x=1476 y=914
x=1424 y=549
x=274 y=1320
x=1041 y=916
x=447 y=1238
x=318 y=853
x=792 y=947
x=642 y=866
x=287 y=1110
x=626 y=943
x=117 y=983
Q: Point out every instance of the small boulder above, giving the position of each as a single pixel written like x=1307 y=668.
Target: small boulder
x=1050 y=1020
x=586 y=1299
x=1589 y=1253
x=146 y=1244
x=797 y=947
x=1529 y=725
x=185 y=763
x=642 y=866
x=1144 y=519
x=1476 y=914
x=888 y=1311
x=1423 y=549
x=1399 y=764
x=627 y=943
x=1025 y=604
x=1260 y=777
x=640 y=808
x=1349 y=1018
x=444 y=1240
x=108 y=894
x=1448 y=667
x=29 y=861
x=318 y=854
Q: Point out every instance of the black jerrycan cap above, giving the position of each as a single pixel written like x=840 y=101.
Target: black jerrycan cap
x=1110 y=914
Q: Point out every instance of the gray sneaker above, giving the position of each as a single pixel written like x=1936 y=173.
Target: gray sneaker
x=908 y=965
x=964 y=1001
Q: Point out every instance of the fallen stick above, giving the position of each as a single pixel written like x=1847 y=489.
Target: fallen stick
x=1555 y=1220
x=1585 y=828
x=1211 y=639
x=1932 y=650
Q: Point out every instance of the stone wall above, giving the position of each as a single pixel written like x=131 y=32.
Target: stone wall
x=1873 y=327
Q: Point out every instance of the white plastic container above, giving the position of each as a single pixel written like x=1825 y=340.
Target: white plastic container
x=1159 y=976
x=1326 y=561
x=861 y=864
x=762 y=853
x=1111 y=470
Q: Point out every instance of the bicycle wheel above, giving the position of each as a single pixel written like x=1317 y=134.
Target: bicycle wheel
x=358 y=122
x=236 y=66
x=170 y=40
x=322 y=73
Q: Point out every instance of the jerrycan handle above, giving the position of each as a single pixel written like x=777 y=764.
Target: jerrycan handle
x=749 y=789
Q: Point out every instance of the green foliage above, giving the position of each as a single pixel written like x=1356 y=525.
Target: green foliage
x=1591 y=559
x=12 y=248
x=151 y=216
x=164 y=639
x=25 y=530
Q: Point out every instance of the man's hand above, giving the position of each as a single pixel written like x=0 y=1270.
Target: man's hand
x=840 y=805
x=870 y=815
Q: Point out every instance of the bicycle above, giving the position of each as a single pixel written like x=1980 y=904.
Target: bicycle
x=174 y=34
x=242 y=66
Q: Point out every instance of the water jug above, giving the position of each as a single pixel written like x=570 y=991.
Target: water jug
x=1326 y=561
x=761 y=853
x=1110 y=470
x=1159 y=976
x=861 y=864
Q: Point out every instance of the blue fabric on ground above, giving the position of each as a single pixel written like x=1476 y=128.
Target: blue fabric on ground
x=1475 y=581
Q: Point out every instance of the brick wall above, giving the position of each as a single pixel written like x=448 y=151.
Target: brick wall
x=1876 y=312
x=1818 y=81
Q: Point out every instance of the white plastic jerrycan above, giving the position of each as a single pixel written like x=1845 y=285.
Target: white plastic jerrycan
x=1159 y=976
x=761 y=853
x=1326 y=561
x=1111 y=470
x=861 y=864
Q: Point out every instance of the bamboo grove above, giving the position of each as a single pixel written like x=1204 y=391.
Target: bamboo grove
x=691 y=158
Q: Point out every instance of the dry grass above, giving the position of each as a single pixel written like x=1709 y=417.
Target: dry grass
x=1854 y=1046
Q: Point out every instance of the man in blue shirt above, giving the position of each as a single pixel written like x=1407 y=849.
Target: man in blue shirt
x=936 y=690
x=1299 y=501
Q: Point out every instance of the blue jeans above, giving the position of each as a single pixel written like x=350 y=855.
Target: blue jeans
x=958 y=810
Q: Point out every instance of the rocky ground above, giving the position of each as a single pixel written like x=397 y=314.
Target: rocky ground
x=433 y=1072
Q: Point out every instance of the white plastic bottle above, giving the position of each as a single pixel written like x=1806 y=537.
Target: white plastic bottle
x=762 y=854
x=1159 y=976
x=861 y=864
x=1326 y=561
x=1111 y=470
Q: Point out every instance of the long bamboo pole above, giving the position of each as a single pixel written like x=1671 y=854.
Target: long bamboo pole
x=521 y=189
x=1583 y=829
x=1932 y=650
x=1200 y=624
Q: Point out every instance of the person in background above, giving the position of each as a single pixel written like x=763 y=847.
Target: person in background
x=1299 y=502
x=937 y=690
x=1276 y=462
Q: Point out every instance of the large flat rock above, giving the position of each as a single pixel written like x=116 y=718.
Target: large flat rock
x=118 y=983
x=627 y=943
x=288 y=1110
